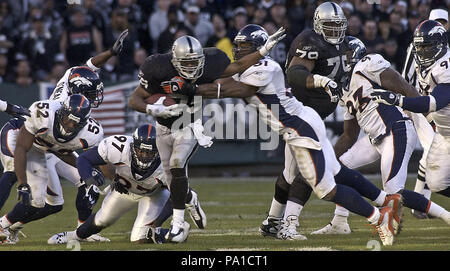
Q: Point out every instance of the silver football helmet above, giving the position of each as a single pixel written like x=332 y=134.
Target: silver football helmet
x=330 y=22
x=187 y=57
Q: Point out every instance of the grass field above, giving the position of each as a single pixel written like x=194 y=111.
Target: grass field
x=235 y=209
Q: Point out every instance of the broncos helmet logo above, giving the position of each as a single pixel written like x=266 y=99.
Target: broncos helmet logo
x=78 y=80
x=258 y=33
x=437 y=29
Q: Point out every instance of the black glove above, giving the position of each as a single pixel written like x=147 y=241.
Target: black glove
x=178 y=85
x=24 y=194
x=386 y=97
x=97 y=178
x=91 y=197
x=118 y=186
x=17 y=111
x=118 y=45
x=334 y=91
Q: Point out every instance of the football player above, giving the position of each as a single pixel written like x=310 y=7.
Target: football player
x=82 y=80
x=161 y=73
x=390 y=134
x=432 y=56
x=315 y=70
x=139 y=180
x=15 y=111
x=310 y=152
x=60 y=128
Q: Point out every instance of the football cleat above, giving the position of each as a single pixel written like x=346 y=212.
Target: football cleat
x=270 y=226
x=61 y=238
x=330 y=228
x=157 y=235
x=395 y=201
x=97 y=238
x=288 y=229
x=196 y=212
x=4 y=234
x=384 y=226
x=420 y=215
x=178 y=232
x=14 y=236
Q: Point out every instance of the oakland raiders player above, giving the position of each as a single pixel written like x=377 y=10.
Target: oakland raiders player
x=83 y=80
x=432 y=56
x=390 y=134
x=316 y=67
x=177 y=141
x=139 y=180
x=310 y=152
x=60 y=128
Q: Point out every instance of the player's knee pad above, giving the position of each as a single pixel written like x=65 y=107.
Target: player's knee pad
x=300 y=191
x=330 y=195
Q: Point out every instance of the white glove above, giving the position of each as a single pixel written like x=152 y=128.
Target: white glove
x=329 y=85
x=272 y=41
x=162 y=111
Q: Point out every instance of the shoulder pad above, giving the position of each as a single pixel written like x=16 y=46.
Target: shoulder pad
x=440 y=73
x=41 y=113
x=372 y=66
x=260 y=74
x=115 y=149
x=308 y=45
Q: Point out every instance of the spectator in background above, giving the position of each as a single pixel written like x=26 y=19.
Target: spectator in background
x=124 y=62
x=139 y=57
x=354 y=27
x=57 y=72
x=348 y=8
x=424 y=10
x=365 y=10
x=23 y=76
x=373 y=41
x=441 y=15
x=383 y=9
x=395 y=20
x=401 y=7
x=166 y=38
x=53 y=20
x=137 y=20
x=3 y=67
x=278 y=15
x=392 y=54
x=220 y=38
x=202 y=29
x=95 y=17
x=384 y=28
x=296 y=16
x=238 y=21
x=259 y=16
x=405 y=38
x=40 y=47
x=250 y=7
x=158 y=21
x=79 y=40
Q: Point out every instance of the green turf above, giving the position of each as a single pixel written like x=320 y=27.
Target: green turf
x=235 y=209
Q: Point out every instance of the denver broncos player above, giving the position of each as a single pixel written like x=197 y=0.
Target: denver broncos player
x=432 y=56
x=179 y=136
x=309 y=150
x=15 y=111
x=390 y=134
x=60 y=128
x=139 y=180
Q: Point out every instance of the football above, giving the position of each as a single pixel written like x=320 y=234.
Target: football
x=160 y=97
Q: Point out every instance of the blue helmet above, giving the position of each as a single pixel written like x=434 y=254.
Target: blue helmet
x=357 y=51
x=83 y=80
x=253 y=36
x=430 y=43
x=72 y=117
x=143 y=148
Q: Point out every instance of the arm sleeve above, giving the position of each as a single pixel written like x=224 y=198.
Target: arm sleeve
x=258 y=75
x=374 y=67
x=87 y=160
x=438 y=99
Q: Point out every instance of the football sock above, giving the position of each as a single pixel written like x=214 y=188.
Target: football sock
x=276 y=209
x=178 y=215
x=7 y=181
x=357 y=181
x=340 y=215
x=43 y=212
x=164 y=215
x=414 y=200
x=20 y=212
x=83 y=210
x=293 y=209
x=178 y=188
x=436 y=210
x=88 y=228
x=348 y=198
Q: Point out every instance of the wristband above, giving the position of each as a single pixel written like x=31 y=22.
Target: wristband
x=92 y=66
x=218 y=90
x=3 y=105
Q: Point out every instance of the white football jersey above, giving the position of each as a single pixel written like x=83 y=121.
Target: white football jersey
x=116 y=150
x=269 y=77
x=371 y=116
x=437 y=73
x=41 y=125
x=61 y=91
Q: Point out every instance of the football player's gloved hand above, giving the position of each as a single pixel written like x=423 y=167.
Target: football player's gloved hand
x=91 y=196
x=386 y=97
x=17 y=111
x=178 y=85
x=329 y=85
x=97 y=178
x=118 y=45
x=162 y=111
x=272 y=41
x=118 y=186
x=24 y=194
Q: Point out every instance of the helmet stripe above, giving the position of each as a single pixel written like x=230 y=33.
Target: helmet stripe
x=149 y=130
x=334 y=7
x=191 y=50
x=420 y=25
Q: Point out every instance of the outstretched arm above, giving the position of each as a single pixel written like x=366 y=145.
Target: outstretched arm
x=224 y=88
x=393 y=81
x=100 y=59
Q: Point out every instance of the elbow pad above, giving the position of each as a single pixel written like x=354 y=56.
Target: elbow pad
x=296 y=76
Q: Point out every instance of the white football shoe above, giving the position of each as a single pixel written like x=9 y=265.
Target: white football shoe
x=196 y=212
x=384 y=226
x=341 y=228
x=62 y=238
x=96 y=238
x=14 y=236
x=178 y=232
x=288 y=230
x=4 y=234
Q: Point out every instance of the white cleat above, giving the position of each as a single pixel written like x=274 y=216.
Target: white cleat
x=14 y=236
x=384 y=226
x=62 y=238
x=288 y=230
x=96 y=238
x=196 y=212
x=178 y=232
x=4 y=234
x=446 y=218
x=343 y=228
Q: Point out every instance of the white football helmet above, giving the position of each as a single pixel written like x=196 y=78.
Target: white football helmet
x=187 y=57
x=330 y=22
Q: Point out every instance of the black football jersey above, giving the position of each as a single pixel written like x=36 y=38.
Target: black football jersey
x=330 y=61
x=158 y=68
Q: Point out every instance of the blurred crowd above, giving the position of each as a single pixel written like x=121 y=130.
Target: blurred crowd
x=40 y=39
